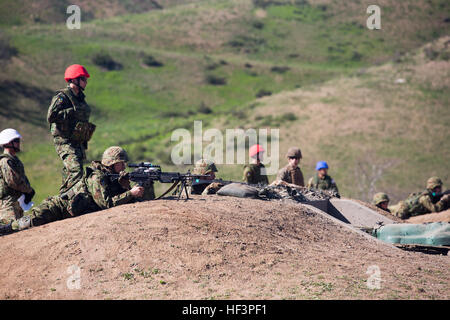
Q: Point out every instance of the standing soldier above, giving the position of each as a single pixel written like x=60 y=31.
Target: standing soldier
x=13 y=181
x=95 y=191
x=430 y=200
x=381 y=200
x=292 y=173
x=255 y=172
x=68 y=116
x=322 y=180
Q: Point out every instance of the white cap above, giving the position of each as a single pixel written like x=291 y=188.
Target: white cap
x=8 y=135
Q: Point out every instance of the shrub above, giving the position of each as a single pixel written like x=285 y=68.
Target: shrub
x=152 y=62
x=105 y=61
x=204 y=109
x=6 y=51
x=263 y=93
x=215 y=80
x=279 y=69
x=258 y=25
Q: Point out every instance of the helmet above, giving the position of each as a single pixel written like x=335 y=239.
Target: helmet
x=255 y=149
x=321 y=165
x=434 y=182
x=294 y=152
x=379 y=198
x=113 y=155
x=75 y=71
x=8 y=135
x=204 y=166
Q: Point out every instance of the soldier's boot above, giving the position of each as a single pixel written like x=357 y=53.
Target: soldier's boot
x=6 y=229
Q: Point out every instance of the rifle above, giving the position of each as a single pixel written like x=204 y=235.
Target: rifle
x=145 y=172
x=205 y=181
x=437 y=196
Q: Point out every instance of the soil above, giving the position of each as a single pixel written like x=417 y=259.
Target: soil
x=212 y=247
x=443 y=216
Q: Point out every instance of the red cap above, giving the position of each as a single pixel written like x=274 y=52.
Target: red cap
x=75 y=71
x=255 y=149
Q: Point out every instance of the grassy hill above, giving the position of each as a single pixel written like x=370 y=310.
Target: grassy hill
x=159 y=70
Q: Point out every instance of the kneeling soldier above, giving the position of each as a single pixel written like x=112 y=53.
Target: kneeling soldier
x=292 y=173
x=96 y=191
x=322 y=180
x=13 y=181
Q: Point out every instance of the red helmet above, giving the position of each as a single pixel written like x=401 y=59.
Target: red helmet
x=255 y=149
x=75 y=71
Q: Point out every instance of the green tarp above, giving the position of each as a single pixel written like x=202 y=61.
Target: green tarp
x=431 y=234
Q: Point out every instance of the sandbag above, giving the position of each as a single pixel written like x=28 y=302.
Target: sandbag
x=239 y=190
x=433 y=234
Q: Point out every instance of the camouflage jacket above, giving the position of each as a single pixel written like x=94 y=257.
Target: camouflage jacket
x=252 y=174
x=425 y=203
x=104 y=191
x=291 y=175
x=13 y=181
x=65 y=111
x=327 y=183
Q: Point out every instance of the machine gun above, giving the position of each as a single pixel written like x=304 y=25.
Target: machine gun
x=145 y=172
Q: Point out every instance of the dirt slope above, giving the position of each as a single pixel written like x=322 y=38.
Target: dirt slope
x=211 y=248
x=443 y=216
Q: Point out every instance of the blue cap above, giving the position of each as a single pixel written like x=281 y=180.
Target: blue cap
x=321 y=165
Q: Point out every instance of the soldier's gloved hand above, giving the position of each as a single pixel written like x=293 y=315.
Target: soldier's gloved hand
x=137 y=191
x=29 y=196
x=124 y=180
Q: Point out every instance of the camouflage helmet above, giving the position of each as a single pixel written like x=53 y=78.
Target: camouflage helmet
x=434 y=182
x=294 y=152
x=380 y=197
x=113 y=155
x=204 y=167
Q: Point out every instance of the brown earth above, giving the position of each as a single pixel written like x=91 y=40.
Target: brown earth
x=212 y=248
x=443 y=216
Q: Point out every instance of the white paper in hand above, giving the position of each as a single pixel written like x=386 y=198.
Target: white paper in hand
x=24 y=206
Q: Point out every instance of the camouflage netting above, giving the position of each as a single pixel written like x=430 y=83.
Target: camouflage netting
x=283 y=190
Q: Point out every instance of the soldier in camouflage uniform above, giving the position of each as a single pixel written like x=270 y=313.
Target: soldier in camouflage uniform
x=255 y=173
x=292 y=173
x=68 y=116
x=381 y=200
x=208 y=168
x=95 y=191
x=322 y=180
x=13 y=181
x=424 y=202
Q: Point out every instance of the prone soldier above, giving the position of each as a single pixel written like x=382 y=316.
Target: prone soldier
x=95 y=191
x=381 y=200
x=209 y=169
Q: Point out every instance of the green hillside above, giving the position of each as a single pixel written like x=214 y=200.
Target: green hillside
x=215 y=59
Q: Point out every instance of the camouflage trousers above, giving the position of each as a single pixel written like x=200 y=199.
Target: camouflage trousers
x=51 y=209
x=72 y=156
x=10 y=210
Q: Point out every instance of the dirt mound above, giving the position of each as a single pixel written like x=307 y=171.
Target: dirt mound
x=443 y=216
x=211 y=247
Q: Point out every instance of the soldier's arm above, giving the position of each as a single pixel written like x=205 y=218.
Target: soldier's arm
x=14 y=179
x=428 y=204
x=334 y=186
x=281 y=176
x=57 y=111
x=98 y=187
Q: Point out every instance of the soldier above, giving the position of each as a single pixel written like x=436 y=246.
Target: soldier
x=381 y=200
x=13 y=181
x=430 y=200
x=204 y=167
x=68 y=116
x=254 y=173
x=95 y=191
x=292 y=173
x=322 y=180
